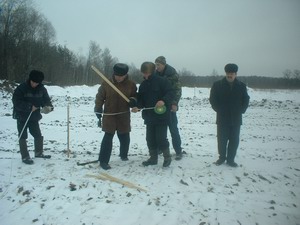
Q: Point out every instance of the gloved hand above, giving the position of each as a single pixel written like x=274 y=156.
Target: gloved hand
x=132 y=102
x=100 y=123
x=46 y=109
x=99 y=116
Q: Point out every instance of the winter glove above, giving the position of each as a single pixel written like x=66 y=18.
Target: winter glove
x=99 y=116
x=46 y=109
x=100 y=123
x=132 y=102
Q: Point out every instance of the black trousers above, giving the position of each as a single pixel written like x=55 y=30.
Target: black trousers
x=176 y=140
x=106 y=146
x=33 y=126
x=156 y=137
x=228 y=141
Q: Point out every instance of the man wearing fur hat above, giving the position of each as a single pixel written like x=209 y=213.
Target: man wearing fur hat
x=165 y=70
x=229 y=99
x=116 y=113
x=30 y=99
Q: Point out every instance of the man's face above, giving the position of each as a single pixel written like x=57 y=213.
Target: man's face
x=159 y=67
x=34 y=84
x=119 y=79
x=146 y=75
x=230 y=77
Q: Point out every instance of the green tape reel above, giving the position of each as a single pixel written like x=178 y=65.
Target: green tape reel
x=160 y=109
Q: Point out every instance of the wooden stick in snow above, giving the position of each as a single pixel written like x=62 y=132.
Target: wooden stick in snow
x=105 y=176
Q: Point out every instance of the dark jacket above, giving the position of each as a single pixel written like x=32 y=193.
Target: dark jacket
x=114 y=103
x=230 y=102
x=24 y=97
x=151 y=91
x=170 y=73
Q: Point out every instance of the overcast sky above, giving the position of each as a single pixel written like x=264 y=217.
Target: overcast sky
x=261 y=36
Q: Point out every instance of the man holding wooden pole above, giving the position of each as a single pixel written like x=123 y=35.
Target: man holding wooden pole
x=117 y=95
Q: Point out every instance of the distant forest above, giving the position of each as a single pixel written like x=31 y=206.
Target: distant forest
x=28 y=41
x=250 y=81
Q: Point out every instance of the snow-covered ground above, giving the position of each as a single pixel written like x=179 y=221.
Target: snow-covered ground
x=263 y=190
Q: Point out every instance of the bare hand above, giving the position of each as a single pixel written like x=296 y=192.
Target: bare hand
x=135 y=109
x=160 y=103
x=34 y=108
x=174 y=108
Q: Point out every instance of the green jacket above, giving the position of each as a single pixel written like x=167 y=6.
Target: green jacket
x=171 y=74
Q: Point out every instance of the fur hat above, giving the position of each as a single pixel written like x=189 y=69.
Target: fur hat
x=120 y=69
x=36 y=76
x=161 y=59
x=231 y=68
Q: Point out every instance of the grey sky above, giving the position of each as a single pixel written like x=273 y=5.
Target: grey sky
x=261 y=36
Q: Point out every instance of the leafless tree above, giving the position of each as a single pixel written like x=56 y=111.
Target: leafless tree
x=287 y=74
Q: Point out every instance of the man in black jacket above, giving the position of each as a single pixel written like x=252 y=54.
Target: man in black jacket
x=229 y=99
x=157 y=92
x=30 y=99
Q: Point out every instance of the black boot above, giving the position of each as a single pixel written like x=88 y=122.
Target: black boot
x=27 y=160
x=178 y=156
x=105 y=166
x=149 y=162
x=39 y=148
x=167 y=157
x=153 y=158
x=219 y=162
x=24 y=152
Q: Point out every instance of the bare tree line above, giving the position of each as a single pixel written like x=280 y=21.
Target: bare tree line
x=27 y=41
x=290 y=80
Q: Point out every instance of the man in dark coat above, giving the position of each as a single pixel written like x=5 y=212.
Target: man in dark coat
x=116 y=113
x=157 y=92
x=165 y=70
x=229 y=99
x=30 y=99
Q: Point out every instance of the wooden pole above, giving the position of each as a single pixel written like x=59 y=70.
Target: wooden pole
x=68 y=129
x=105 y=176
x=110 y=83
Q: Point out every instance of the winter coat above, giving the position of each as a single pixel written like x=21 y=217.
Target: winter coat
x=230 y=102
x=114 y=103
x=151 y=91
x=24 y=97
x=170 y=73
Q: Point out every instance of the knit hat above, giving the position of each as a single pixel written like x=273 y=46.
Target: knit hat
x=231 y=68
x=120 y=69
x=161 y=60
x=36 y=76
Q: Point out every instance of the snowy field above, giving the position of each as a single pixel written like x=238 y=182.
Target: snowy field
x=263 y=190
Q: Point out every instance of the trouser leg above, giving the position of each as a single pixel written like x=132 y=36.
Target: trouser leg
x=39 y=146
x=22 y=139
x=234 y=139
x=222 y=137
x=35 y=131
x=124 y=144
x=151 y=142
x=20 y=126
x=162 y=141
x=176 y=139
x=23 y=148
x=106 y=148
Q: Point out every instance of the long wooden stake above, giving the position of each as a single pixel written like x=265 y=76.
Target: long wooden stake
x=68 y=129
x=110 y=83
x=105 y=176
